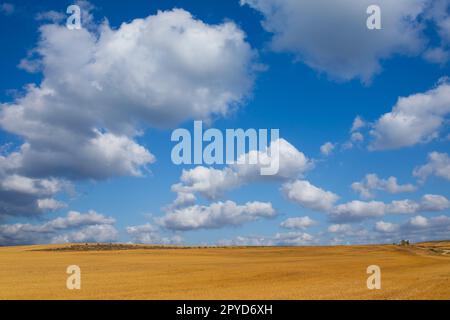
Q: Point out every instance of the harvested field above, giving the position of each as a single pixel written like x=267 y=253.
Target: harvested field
x=420 y=271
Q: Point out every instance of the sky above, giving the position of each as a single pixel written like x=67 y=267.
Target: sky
x=87 y=115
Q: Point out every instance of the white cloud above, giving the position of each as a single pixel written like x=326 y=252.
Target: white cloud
x=209 y=182
x=358 y=123
x=102 y=156
x=216 y=215
x=258 y=241
x=439 y=223
x=339 y=228
x=298 y=223
x=356 y=137
x=437 y=13
x=419 y=221
x=357 y=211
x=102 y=87
x=403 y=207
x=156 y=71
x=24 y=196
x=293 y=239
x=53 y=16
x=415 y=119
x=50 y=204
x=327 y=148
x=347 y=233
x=432 y=202
x=385 y=227
x=213 y=183
x=279 y=239
x=438 y=164
x=42 y=187
x=427 y=228
x=312 y=197
x=418 y=228
x=291 y=162
x=95 y=233
x=360 y=210
x=309 y=196
x=437 y=55
x=149 y=234
x=372 y=183
x=332 y=37
x=75 y=227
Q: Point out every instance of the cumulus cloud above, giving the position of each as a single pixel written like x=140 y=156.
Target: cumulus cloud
x=26 y=190
x=372 y=183
x=327 y=148
x=357 y=211
x=298 y=223
x=150 y=234
x=339 y=228
x=104 y=156
x=437 y=55
x=213 y=183
x=209 y=182
x=360 y=210
x=95 y=233
x=16 y=183
x=312 y=197
x=254 y=241
x=418 y=222
x=385 y=227
x=356 y=136
x=309 y=196
x=156 y=71
x=418 y=228
x=332 y=37
x=101 y=87
x=24 y=196
x=75 y=227
x=50 y=204
x=418 y=118
x=358 y=124
x=280 y=154
x=53 y=16
x=279 y=239
x=438 y=15
x=432 y=202
x=438 y=165
x=216 y=215
x=350 y=233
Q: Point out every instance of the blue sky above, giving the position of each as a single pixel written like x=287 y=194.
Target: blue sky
x=86 y=150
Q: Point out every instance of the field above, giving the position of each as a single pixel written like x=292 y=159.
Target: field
x=419 y=271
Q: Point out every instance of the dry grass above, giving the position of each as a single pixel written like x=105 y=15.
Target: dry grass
x=416 y=272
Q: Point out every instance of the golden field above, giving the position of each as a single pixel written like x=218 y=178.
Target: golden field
x=419 y=271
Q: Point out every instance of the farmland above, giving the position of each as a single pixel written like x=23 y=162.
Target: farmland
x=420 y=271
